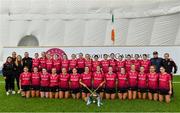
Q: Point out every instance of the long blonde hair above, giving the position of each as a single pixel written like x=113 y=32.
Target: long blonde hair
x=20 y=60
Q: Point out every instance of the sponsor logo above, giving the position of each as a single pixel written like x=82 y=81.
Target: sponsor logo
x=56 y=51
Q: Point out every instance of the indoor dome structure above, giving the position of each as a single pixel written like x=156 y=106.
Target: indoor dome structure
x=88 y=22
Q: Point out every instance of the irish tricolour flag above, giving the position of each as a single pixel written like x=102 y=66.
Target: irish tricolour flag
x=113 y=30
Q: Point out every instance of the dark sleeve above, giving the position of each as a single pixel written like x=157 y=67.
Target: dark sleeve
x=15 y=66
x=23 y=62
x=151 y=61
x=4 y=71
x=175 y=66
x=30 y=62
x=162 y=62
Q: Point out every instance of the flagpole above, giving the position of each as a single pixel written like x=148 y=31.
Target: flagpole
x=113 y=43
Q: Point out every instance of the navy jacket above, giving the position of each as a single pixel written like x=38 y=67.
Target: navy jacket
x=157 y=62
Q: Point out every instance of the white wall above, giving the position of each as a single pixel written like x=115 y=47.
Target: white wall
x=88 y=22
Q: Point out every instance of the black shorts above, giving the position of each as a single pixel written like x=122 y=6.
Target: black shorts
x=80 y=70
x=44 y=88
x=142 y=90
x=64 y=89
x=85 y=90
x=110 y=90
x=163 y=91
x=75 y=91
x=35 y=87
x=133 y=88
x=25 y=87
x=122 y=90
x=99 y=90
x=152 y=90
x=54 y=89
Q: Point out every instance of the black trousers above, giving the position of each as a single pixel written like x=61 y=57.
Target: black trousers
x=172 y=85
x=9 y=82
x=17 y=81
x=16 y=77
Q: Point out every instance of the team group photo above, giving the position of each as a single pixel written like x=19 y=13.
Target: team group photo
x=84 y=77
x=89 y=56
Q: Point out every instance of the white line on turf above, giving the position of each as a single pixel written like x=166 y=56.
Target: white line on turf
x=176 y=82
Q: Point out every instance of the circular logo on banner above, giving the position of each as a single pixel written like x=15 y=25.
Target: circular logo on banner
x=57 y=51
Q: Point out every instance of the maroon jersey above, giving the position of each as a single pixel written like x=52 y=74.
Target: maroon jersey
x=72 y=63
x=64 y=80
x=54 y=80
x=128 y=64
x=105 y=65
x=74 y=81
x=164 y=81
x=132 y=78
x=42 y=63
x=153 y=80
x=86 y=78
x=110 y=80
x=35 y=62
x=95 y=64
x=122 y=80
x=44 y=80
x=112 y=63
x=49 y=64
x=35 y=79
x=98 y=79
x=80 y=63
x=88 y=63
x=146 y=64
x=25 y=78
x=57 y=64
x=65 y=64
x=120 y=64
x=142 y=80
x=137 y=64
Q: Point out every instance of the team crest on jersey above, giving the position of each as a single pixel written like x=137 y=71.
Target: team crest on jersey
x=57 y=51
x=169 y=63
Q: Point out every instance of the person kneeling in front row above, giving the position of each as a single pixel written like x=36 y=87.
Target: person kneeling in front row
x=25 y=82
x=165 y=86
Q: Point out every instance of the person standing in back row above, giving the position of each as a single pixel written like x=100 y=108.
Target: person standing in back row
x=156 y=61
x=8 y=70
x=169 y=64
x=27 y=61
x=14 y=58
x=19 y=69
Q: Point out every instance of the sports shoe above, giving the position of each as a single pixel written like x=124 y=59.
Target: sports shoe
x=88 y=102
x=13 y=92
x=19 y=91
x=7 y=93
x=98 y=104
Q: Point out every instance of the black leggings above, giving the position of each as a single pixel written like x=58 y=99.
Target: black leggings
x=17 y=81
x=172 y=85
x=9 y=83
